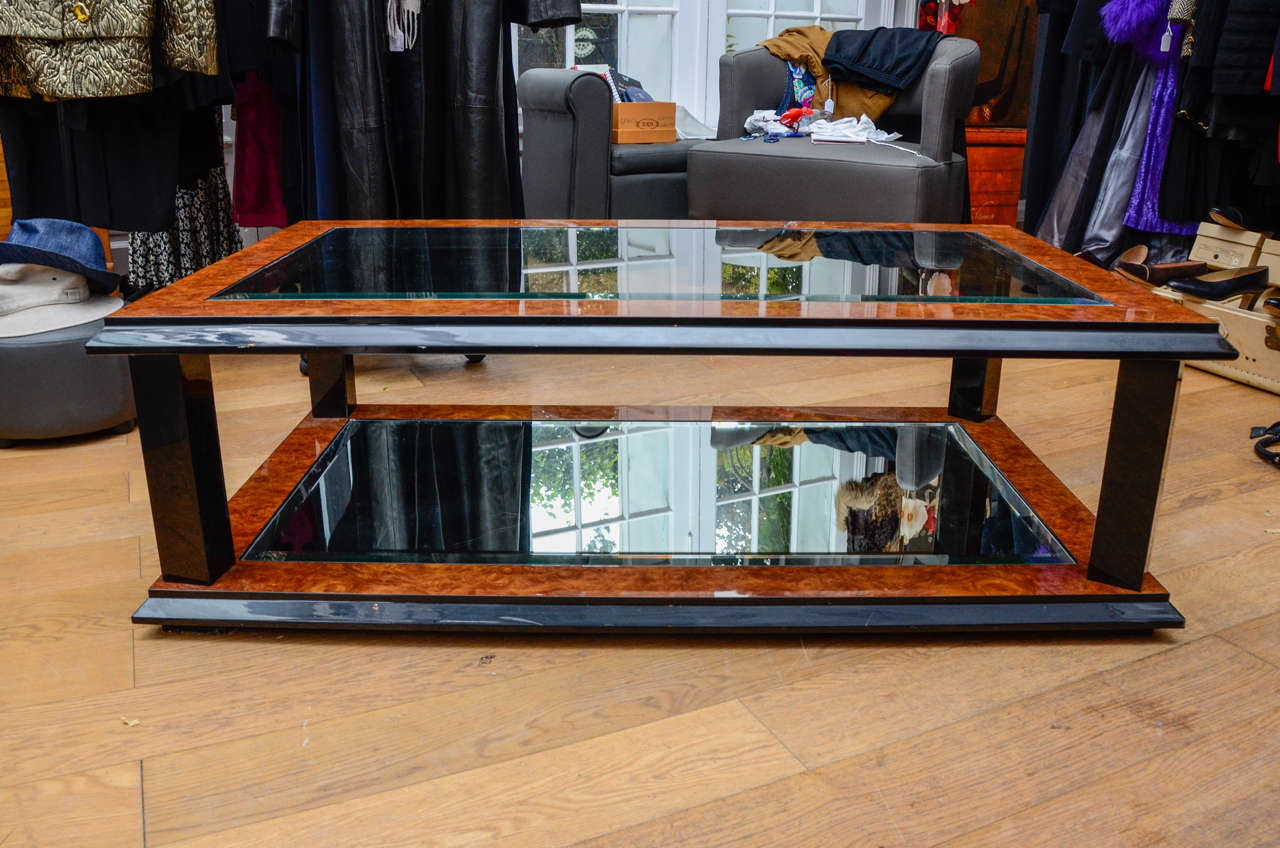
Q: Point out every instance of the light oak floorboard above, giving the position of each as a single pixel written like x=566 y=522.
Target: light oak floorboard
x=622 y=741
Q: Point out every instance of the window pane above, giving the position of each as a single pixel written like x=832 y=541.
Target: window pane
x=733 y=471
x=762 y=5
x=794 y=5
x=733 y=528
x=544 y=433
x=551 y=490
x=842 y=7
x=775 y=523
x=597 y=243
x=837 y=25
x=541 y=49
x=649 y=46
x=556 y=543
x=548 y=281
x=779 y=24
x=650 y=535
x=601 y=494
x=601 y=540
x=598 y=281
x=740 y=279
x=745 y=33
x=814 y=518
x=648 y=472
x=785 y=280
x=595 y=40
x=775 y=467
x=545 y=247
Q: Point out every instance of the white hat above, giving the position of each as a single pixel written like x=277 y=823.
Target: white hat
x=56 y=316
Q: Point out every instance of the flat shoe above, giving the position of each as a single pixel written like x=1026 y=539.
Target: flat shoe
x=1158 y=275
x=1223 y=284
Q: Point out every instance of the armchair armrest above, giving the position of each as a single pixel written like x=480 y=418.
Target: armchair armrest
x=749 y=80
x=565 y=161
x=945 y=93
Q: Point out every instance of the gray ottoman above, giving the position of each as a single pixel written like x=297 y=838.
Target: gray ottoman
x=49 y=387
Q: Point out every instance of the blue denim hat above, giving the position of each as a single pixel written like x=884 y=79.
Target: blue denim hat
x=60 y=244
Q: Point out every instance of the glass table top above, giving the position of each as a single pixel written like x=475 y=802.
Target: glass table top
x=656 y=263
x=655 y=493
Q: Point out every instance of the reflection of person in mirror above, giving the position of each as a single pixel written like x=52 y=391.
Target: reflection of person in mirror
x=886 y=511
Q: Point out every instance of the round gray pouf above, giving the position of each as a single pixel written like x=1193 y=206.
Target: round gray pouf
x=49 y=386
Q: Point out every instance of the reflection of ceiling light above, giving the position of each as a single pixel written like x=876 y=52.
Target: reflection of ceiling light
x=584 y=39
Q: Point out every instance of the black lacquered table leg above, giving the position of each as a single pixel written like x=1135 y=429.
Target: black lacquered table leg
x=179 y=433
x=1138 y=444
x=333 y=383
x=975 y=388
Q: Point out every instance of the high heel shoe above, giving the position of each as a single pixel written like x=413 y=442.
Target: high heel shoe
x=1223 y=284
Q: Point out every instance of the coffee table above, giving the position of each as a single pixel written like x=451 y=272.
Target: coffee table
x=639 y=518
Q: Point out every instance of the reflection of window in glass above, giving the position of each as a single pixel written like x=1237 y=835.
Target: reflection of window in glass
x=635 y=36
x=610 y=487
x=771 y=499
x=598 y=261
x=751 y=21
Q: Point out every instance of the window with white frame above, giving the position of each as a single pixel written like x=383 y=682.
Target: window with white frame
x=752 y=273
x=673 y=47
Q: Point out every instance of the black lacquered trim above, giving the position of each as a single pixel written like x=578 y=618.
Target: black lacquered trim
x=1101 y=615
x=927 y=339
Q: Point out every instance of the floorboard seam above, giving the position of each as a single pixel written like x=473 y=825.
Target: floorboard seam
x=1236 y=644
x=773 y=733
x=142 y=800
x=1005 y=704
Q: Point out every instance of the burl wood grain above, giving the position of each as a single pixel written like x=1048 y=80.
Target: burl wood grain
x=189 y=297
x=266 y=489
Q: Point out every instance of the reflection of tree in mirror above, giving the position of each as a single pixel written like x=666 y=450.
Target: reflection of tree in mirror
x=600 y=541
x=552 y=482
x=545 y=246
x=598 y=281
x=733 y=528
x=739 y=279
x=733 y=471
x=775 y=466
x=548 y=282
x=775 y=523
x=597 y=243
x=785 y=280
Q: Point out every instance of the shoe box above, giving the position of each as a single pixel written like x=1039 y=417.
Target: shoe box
x=1242 y=319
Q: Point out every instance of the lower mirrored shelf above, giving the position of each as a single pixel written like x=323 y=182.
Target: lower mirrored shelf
x=615 y=519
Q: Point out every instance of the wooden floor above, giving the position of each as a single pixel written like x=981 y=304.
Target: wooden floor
x=112 y=734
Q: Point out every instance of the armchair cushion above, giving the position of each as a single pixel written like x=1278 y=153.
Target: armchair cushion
x=665 y=158
x=796 y=179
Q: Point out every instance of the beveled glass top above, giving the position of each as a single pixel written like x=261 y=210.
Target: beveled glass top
x=655 y=493
x=639 y=263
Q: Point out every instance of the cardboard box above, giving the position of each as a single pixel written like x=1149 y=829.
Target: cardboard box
x=1256 y=335
x=1270 y=257
x=1223 y=247
x=643 y=123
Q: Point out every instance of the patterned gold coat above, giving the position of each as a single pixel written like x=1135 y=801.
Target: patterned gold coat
x=62 y=49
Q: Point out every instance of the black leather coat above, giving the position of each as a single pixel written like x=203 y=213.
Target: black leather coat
x=430 y=132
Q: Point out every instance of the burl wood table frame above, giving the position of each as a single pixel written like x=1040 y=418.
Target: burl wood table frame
x=202 y=538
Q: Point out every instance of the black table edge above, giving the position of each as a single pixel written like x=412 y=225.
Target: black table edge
x=1109 y=614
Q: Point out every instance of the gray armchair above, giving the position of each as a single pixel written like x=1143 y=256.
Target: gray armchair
x=796 y=179
x=570 y=168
